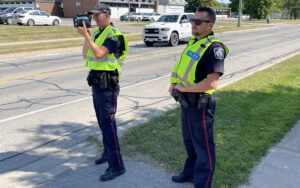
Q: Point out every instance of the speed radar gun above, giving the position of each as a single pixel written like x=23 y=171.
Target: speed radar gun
x=77 y=20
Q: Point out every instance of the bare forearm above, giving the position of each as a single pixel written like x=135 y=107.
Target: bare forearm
x=202 y=86
x=84 y=49
x=98 y=53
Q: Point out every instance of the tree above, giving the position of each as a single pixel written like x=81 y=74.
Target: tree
x=192 y=5
x=258 y=8
x=234 y=5
x=293 y=6
x=255 y=8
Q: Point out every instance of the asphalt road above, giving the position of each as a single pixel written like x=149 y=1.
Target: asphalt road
x=46 y=108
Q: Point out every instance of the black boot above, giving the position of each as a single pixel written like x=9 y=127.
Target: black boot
x=112 y=173
x=101 y=160
x=181 y=178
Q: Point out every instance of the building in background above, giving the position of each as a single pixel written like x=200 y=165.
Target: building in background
x=119 y=7
x=69 y=8
x=222 y=12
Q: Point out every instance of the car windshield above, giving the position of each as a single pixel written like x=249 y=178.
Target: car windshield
x=168 y=18
x=10 y=9
x=22 y=12
x=147 y=14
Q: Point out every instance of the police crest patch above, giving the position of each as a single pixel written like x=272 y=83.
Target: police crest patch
x=114 y=38
x=219 y=53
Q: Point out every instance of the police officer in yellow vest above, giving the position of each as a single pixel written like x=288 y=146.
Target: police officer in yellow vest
x=104 y=51
x=193 y=81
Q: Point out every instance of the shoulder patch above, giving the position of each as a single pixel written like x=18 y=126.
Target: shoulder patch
x=219 y=53
x=114 y=38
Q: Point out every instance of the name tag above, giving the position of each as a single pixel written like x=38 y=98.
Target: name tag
x=193 y=55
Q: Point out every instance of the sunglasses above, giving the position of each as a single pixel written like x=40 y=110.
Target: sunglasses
x=198 y=21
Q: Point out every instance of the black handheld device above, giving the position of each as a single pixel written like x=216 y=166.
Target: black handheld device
x=77 y=20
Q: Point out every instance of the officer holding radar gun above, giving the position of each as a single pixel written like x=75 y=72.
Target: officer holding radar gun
x=104 y=51
x=193 y=81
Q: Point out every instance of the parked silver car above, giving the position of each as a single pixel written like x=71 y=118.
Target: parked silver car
x=136 y=16
x=7 y=15
x=35 y=17
x=151 y=16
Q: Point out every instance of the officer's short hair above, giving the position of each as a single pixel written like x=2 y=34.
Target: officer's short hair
x=211 y=15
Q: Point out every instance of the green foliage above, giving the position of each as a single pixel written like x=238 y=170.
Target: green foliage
x=255 y=8
x=293 y=6
x=258 y=8
x=234 y=5
x=192 y=5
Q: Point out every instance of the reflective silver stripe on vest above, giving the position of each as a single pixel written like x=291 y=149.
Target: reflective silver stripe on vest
x=175 y=75
x=104 y=59
x=192 y=61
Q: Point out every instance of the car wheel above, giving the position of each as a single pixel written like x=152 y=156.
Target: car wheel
x=149 y=43
x=174 y=39
x=30 y=22
x=9 y=21
x=55 y=22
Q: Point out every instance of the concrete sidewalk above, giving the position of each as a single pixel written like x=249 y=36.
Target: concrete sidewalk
x=280 y=167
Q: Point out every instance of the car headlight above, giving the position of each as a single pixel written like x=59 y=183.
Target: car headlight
x=165 y=29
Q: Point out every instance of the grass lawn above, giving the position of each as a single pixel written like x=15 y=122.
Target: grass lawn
x=51 y=45
x=16 y=33
x=252 y=115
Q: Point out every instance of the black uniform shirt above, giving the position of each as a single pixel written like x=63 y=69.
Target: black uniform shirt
x=114 y=45
x=212 y=61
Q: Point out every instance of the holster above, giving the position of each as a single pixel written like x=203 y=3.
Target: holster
x=178 y=96
x=105 y=79
x=204 y=100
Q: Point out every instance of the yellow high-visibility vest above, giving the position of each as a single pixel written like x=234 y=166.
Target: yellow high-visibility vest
x=108 y=62
x=184 y=72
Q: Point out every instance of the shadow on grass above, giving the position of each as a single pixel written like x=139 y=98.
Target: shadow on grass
x=247 y=124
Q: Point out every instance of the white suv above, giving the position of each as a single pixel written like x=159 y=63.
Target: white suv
x=170 y=28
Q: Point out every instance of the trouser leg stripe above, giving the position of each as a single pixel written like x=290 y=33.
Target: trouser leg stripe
x=209 y=156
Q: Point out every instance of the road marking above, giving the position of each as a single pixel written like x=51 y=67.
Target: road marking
x=75 y=101
x=137 y=57
x=80 y=67
x=40 y=74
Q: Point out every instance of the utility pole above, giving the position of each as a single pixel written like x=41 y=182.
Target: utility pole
x=240 y=12
x=129 y=5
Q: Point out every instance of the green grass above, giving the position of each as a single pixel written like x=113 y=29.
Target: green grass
x=15 y=33
x=50 y=45
x=252 y=115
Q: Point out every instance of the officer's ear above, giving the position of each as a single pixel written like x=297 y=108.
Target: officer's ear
x=210 y=25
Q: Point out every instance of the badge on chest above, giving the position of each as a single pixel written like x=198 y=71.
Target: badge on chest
x=193 y=55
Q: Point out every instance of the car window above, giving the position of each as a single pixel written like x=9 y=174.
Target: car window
x=190 y=16
x=19 y=10
x=157 y=14
x=168 y=18
x=183 y=17
x=43 y=13
x=28 y=8
x=147 y=14
x=22 y=12
x=9 y=10
x=34 y=13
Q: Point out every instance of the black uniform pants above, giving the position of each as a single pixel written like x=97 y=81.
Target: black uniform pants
x=105 y=104
x=197 y=132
